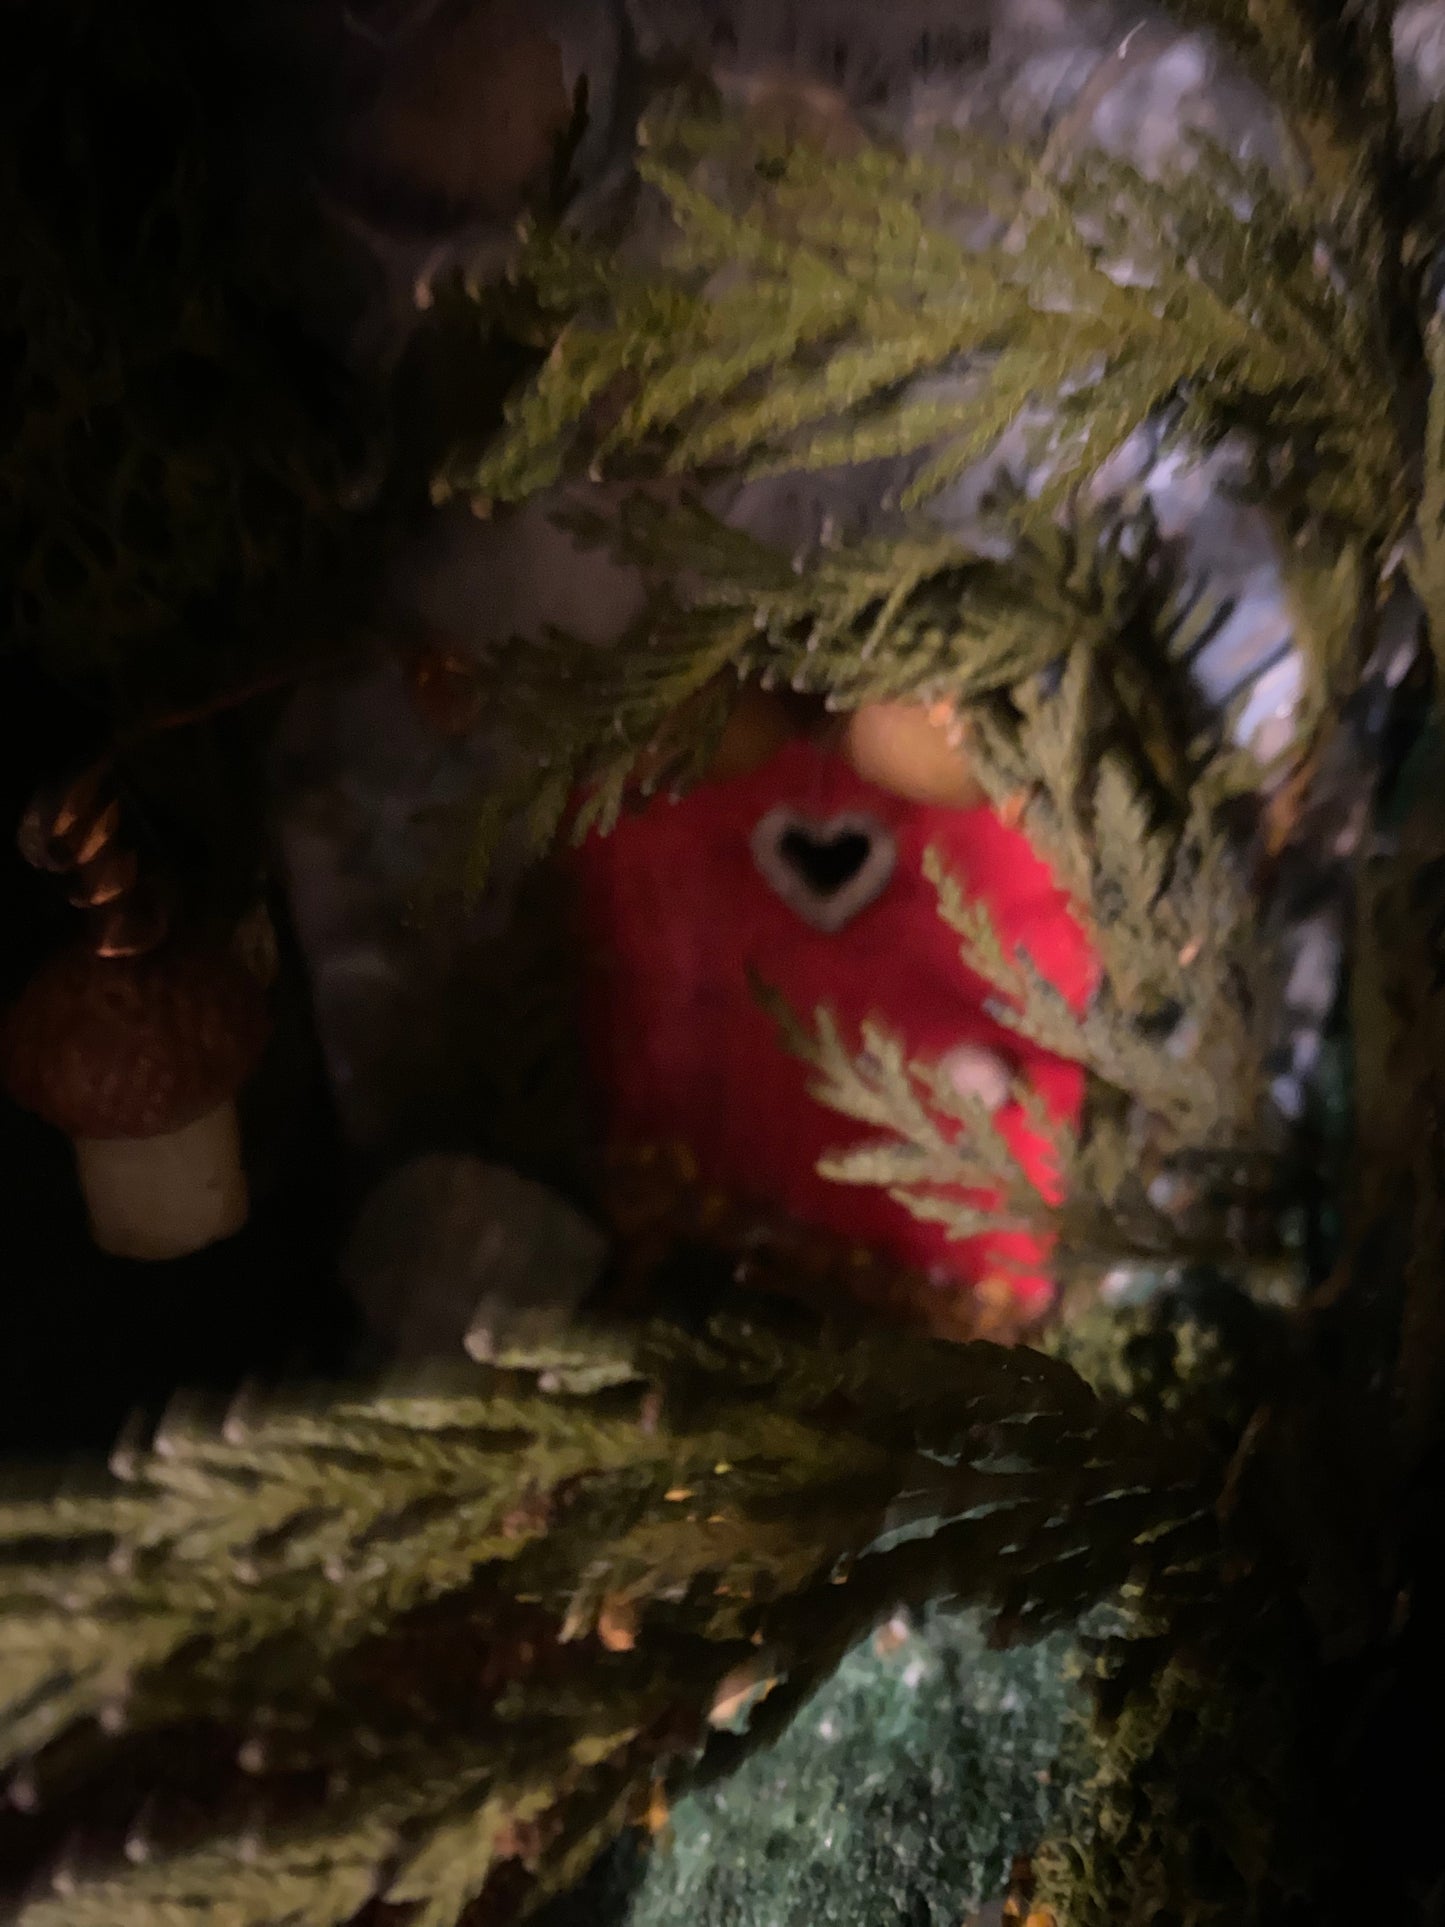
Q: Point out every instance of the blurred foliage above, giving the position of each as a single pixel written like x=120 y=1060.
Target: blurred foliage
x=430 y=1648
x=459 y=1633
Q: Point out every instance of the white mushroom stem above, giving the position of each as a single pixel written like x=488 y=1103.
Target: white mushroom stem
x=167 y=1196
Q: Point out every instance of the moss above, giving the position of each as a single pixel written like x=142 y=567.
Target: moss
x=1187 y=1797
x=1186 y=1793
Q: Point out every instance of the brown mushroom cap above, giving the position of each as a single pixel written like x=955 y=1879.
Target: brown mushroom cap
x=132 y=1047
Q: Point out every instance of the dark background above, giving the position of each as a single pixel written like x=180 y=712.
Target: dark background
x=86 y=1339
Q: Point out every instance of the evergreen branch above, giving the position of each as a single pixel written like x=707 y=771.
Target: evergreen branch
x=944 y=1158
x=1101 y=758
x=913 y=612
x=843 y=280
x=705 y=1526
x=1207 y=1088
x=1330 y=70
x=1427 y=562
x=971 y=1179
x=1124 y=806
x=1327 y=598
x=914 y=615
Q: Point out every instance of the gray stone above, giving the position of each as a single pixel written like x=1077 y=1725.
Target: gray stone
x=452 y=1253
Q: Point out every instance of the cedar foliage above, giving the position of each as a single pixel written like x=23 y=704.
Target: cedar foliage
x=803 y=311
x=704 y=1520
x=445 y=1641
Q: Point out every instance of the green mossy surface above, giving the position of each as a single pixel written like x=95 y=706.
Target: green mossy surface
x=897 y=1796
x=899 y=1793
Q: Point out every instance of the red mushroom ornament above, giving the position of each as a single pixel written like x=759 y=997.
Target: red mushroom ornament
x=138 y=1060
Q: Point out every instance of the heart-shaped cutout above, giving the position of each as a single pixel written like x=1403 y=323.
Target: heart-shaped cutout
x=825 y=871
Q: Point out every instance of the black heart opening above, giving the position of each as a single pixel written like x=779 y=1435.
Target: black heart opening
x=825 y=871
x=825 y=864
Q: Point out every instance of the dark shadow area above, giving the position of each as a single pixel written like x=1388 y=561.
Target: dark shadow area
x=84 y=1338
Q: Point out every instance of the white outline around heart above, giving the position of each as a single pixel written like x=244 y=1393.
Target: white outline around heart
x=831 y=912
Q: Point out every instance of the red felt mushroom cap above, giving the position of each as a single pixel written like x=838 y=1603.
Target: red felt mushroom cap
x=133 y=1047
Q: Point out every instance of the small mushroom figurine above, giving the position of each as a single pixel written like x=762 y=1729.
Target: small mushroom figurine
x=138 y=1060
